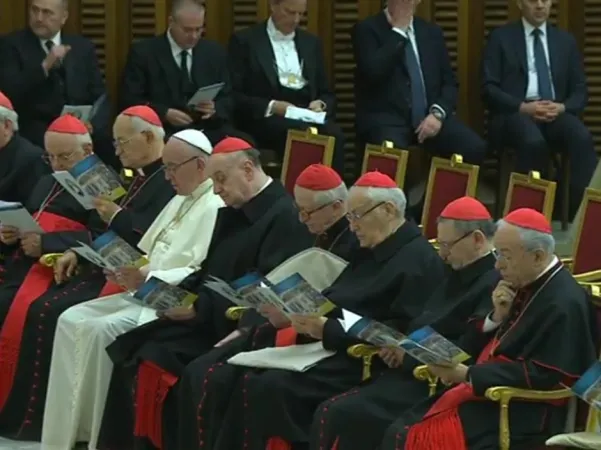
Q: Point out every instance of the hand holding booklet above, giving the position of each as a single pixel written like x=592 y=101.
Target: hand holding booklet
x=161 y=296
x=110 y=252
x=425 y=344
x=205 y=94
x=15 y=215
x=89 y=179
x=588 y=386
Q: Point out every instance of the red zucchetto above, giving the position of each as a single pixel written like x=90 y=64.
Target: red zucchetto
x=318 y=177
x=465 y=208
x=5 y=102
x=146 y=113
x=376 y=180
x=530 y=219
x=68 y=124
x=231 y=145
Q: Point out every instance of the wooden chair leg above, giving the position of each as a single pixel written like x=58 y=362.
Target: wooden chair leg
x=565 y=199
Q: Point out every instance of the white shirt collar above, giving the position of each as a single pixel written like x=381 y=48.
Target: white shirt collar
x=276 y=35
x=409 y=28
x=175 y=48
x=529 y=28
x=56 y=39
x=552 y=264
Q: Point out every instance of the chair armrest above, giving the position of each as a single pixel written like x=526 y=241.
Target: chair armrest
x=568 y=262
x=365 y=352
x=49 y=259
x=434 y=243
x=591 y=278
x=235 y=312
x=422 y=373
x=503 y=395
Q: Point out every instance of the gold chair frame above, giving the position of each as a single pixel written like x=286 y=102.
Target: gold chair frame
x=387 y=150
x=535 y=182
x=310 y=136
x=454 y=164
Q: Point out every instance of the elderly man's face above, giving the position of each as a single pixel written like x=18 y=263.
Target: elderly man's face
x=63 y=151
x=131 y=147
x=183 y=168
x=232 y=177
x=287 y=14
x=458 y=249
x=47 y=17
x=535 y=11
x=317 y=216
x=369 y=220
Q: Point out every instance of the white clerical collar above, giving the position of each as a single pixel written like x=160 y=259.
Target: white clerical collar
x=276 y=35
x=267 y=183
x=552 y=264
x=529 y=28
x=56 y=40
x=175 y=48
x=409 y=28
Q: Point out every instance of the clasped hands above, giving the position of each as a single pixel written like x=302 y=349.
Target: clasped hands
x=543 y=110
x=31 y=243
x=179 y=118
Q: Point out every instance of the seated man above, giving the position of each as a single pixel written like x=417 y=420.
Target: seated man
x=540 y=335
x=360 y=418
x=406 y=91
x=80 y=369
x=165 y=71
x=274 y=65
x=21 y=164
x=321 y=198
x=268 y=407
x=44 y=69
x=252 y=233
x=36 y=303
x=535 y=89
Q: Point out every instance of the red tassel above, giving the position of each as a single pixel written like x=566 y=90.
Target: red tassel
x=335 y=445
x=285 y=337
x=153 y=386
x=443 y=430
x=277 y=443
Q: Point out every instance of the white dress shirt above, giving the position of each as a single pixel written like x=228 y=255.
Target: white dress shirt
x=490 y=325
x=176 y=51
x=56 y=40
x=409 y=33
x=532 y=90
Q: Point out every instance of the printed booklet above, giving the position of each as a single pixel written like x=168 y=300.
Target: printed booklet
x=110 y=252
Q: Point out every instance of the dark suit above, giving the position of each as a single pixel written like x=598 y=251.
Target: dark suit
x=505 y=82
x=383 y=89
x=255 y=82
x=152 y=77
x=39 y=99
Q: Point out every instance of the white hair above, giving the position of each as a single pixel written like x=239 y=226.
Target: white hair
x=140 y=125
x=322 y=198
x=396 y=196
x=9 y=115
x=532 y=240
x=84 y=139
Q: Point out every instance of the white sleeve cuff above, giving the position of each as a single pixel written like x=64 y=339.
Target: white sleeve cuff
x=489 y=324
x=441 y=109
x=114 y=215
x=269 y=109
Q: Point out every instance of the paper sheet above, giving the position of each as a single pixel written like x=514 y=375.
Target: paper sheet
x=305 y=115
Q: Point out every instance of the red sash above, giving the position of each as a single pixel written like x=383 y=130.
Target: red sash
x=37 y=281
x=152 y=388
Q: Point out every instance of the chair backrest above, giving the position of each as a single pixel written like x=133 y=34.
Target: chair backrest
x=530 y=191
x=587 y=245
x=304 y=148
x=449 y=179
x=386 y=159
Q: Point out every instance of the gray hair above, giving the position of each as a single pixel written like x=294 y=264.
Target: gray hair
x=322 y=198
x=84 y=139
x=464 y=227
x=532 y=240
x=140 y=126
x=396 y=196
x=10 y=116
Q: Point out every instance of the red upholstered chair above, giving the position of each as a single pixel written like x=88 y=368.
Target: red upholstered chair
x=386 y=159
x=530 y=191
x=449 y=179
x=304 y=148
x=586 y=261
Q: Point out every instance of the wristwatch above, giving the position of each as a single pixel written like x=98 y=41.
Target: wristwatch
x=437 y=113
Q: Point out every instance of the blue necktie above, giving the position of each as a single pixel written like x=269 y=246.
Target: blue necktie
x=418 y=92
x=545 y=89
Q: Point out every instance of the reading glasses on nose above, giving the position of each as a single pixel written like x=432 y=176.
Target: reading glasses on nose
x=354 y=215
x=172 y=168
x=62 y=158
x=447 y=246
x=307 y=214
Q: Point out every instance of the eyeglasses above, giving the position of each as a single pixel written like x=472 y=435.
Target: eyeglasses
x=447 y=246
x=62 y=158
x=306 y=215
x=172 y=168
x=354 y=216
x=120 y=143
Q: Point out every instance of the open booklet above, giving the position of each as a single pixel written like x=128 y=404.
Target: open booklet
x=89 y=179
x=85 y=113
x=14 y=214
x=588 y=386
x=424 y=344
x=110 y=252
x=161 y=296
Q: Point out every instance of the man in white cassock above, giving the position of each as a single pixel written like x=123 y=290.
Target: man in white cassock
x=176 y=244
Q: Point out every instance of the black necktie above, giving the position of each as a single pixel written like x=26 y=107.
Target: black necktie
x=49 y=45
x=418 y=92
x=545 y=89
x=185 y=74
